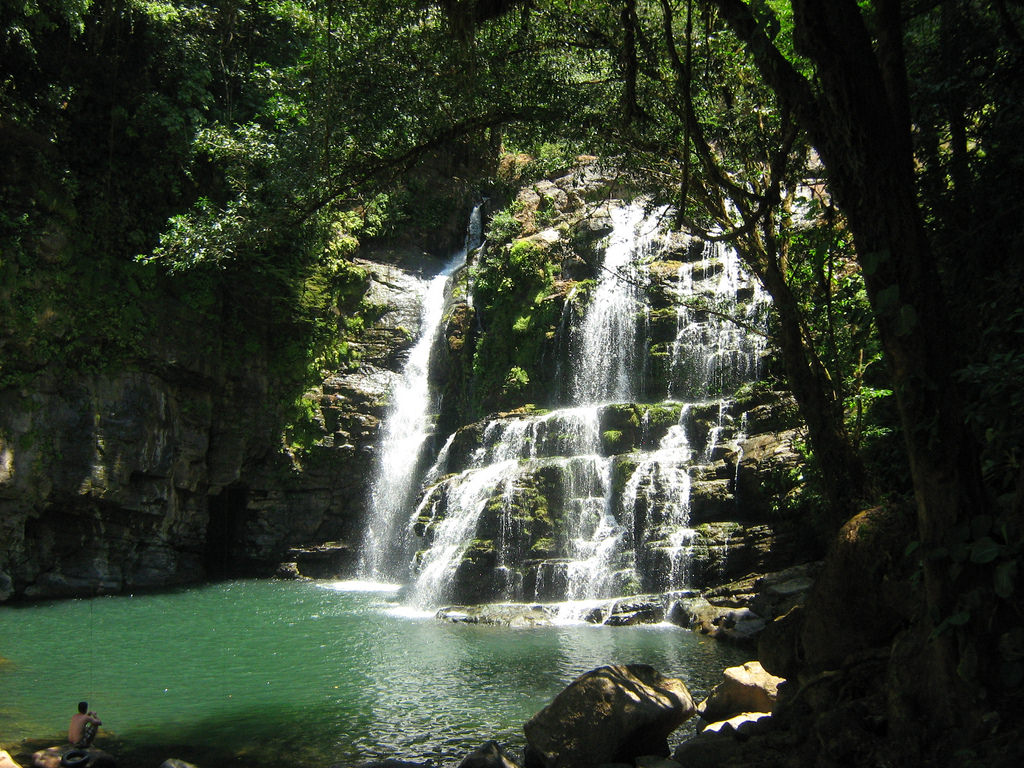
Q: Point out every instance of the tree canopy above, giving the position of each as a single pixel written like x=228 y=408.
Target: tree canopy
x=863 y=158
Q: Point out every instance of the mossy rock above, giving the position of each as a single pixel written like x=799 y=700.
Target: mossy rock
x=527 y=510
x=658 y=418
x=662 y=325
x=707 y=269
x=776 y=415
x=621 y=416
x=683 y=247
x=623 y=467
x=755 y=393
x=543 y=548
x=480 y=548
x=717 y=533
x=664 y=270
x=613 y=442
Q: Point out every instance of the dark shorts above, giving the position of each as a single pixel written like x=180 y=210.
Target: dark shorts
x=88 y=734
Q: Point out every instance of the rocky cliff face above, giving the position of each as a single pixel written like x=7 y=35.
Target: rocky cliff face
x=176 y=471
x=527 y=530
x=565 y=489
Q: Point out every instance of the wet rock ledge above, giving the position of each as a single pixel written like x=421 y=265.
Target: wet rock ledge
x=736 y=612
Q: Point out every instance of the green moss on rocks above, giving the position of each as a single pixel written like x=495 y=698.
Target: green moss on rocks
x=661 y=416
x=623 y=468
x=662 y=325
x=519 y=312
x=543 y=548
x=613 y=442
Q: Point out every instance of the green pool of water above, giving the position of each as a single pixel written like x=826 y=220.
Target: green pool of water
x=290 y=673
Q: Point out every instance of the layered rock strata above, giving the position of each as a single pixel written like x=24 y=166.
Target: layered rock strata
x=176 y=471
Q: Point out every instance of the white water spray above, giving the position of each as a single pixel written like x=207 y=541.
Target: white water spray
x=405 y=430
x=608 y=357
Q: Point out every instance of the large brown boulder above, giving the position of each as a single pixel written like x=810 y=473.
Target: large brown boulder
x=778 y=646
x=858 y=600
x=490 y=755
x=746 y=688
x=609 y=715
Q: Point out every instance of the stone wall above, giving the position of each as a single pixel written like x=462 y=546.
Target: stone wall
x=176 y=471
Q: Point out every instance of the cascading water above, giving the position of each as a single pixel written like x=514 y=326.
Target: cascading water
x=607 y=358
x=711 y=353
x=545 y=506
x=665 y=473
x=405 y=430
x=565 y=443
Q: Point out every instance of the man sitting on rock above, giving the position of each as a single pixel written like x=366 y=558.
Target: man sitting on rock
x=84 y=725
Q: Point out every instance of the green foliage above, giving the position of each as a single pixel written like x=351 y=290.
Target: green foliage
x=303 y=427
x=330 y=304
x=527 y=262
x=547 y=160
x=795 y=493
x=503 y=226
x=202 y=140
x=997 y=399
x=982 y=556
x=511 y=293
x=516 y=381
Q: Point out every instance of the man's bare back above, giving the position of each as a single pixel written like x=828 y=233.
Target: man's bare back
x=78 y=734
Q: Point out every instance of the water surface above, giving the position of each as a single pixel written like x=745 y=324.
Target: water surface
x=277 y=673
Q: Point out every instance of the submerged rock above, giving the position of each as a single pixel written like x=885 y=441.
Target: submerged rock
x=288 y=572
x=611 y=714
x=506 y=615
x=737 y=625
x=643 y=609
x=490 y=755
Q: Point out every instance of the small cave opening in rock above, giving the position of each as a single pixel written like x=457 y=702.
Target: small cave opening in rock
x=225 y=533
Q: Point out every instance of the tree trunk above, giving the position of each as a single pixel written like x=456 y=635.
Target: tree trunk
x=866 y=146
x=842 y=473
x=857 y=119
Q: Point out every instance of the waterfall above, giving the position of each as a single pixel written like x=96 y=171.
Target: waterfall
x=711 y=353
x=593 y=500
x=608 y=361
x=566 y=442
x=665 y=474
x=406 y=428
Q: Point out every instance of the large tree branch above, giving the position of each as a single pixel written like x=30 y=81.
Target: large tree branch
x=790 y=87
x=374 y=166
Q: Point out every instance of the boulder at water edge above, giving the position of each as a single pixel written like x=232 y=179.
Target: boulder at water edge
x=490 y=755
x=609 y=715
x=747 y=688
x=66 y=754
